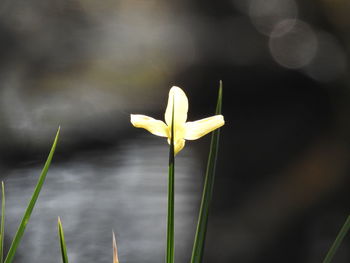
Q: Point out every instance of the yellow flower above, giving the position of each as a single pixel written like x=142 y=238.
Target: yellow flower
x=182 y=130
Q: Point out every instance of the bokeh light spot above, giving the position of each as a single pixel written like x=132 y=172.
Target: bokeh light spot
x=266 y=14
x=330 y=60
x=293 y=46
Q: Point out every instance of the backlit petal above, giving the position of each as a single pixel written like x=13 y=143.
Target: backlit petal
x=181 y=107
x=154 y=126
x=196 y=129
x=178 y=145
x=179 y=132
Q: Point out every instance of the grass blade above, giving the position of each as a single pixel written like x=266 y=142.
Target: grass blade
x=199 y=241
x=115 y=250
x=30 y=207
x=171 y=182
x=2 y=224
x=62 y=241
x=337 y=242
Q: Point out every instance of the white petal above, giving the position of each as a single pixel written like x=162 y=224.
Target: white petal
x=178 y=145
x=196 y=129
x=181 y=107
x=154 y=126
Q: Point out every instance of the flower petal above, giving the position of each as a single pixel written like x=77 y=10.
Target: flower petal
x=154 y=126
x=178 y=96
x=178 y=145
x=197 y=129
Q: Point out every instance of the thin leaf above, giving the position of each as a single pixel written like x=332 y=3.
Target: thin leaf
x=115 y=250
x=199 y=241
x=62 y=241
x=171 y=182
x=337 y=242
x=30 y=207
x=2 y=224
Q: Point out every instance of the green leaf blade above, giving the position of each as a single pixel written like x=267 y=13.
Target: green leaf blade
x=62 y=241
x=337 y=242
x=200 y=236
x=30 y=207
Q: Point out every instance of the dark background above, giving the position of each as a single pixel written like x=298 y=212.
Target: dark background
x=281 y=191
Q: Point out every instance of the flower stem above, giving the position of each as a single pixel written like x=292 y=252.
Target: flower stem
x=171 y=197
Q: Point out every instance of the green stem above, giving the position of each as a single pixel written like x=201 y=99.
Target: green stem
x=171 y=197
x=337 y=242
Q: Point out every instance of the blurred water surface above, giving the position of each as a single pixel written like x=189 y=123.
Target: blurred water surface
x=124 y=189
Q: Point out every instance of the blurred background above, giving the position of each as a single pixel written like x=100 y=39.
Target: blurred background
x=282 y=186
